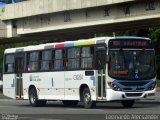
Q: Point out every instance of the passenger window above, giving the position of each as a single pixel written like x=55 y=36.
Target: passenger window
x=32 y=61
x=46 y=57
x=87 y=57
x=58 y=59
x=73 y=56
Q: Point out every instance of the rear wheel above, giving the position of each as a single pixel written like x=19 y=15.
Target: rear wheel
x=68 y=103
x=88 y=103
x=33 y=99
x=128 y=103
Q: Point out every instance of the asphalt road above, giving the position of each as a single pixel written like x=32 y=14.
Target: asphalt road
x=21 y=110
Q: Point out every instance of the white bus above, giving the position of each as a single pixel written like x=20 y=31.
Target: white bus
x=90 y=70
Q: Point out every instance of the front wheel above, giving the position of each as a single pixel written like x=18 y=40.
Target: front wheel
x=88 y=103
x=128 y=103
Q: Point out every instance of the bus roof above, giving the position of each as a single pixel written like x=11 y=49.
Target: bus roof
x=130 y=37
x=68 y=44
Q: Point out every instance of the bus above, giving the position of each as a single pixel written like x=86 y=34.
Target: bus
x=4 y=2
x=92 y=70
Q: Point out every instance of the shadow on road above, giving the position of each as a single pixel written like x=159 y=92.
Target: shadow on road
x=106 y=105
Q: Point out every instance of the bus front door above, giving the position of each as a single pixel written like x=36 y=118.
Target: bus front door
x=101 y=67
x=19 y=65
x=101 y=84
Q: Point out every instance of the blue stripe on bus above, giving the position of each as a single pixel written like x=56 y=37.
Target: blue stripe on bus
x=133 y=87
x=68 y=44
x=13 y=84
x=129 y=37
x=93 y=79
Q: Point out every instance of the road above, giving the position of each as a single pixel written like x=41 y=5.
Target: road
x=22 y=110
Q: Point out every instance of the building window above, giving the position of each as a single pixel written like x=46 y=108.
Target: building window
x=73 y=55
x=9 y=64
x=87 y=57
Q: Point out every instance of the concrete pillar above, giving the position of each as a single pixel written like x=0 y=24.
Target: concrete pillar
x=11 y=32
x=9 y=28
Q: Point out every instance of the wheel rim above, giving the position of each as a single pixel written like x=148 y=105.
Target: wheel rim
x=87 y=98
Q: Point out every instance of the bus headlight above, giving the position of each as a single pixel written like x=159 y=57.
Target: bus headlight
x=151 y=86
x=114 y=86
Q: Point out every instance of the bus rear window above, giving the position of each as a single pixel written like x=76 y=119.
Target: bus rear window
x=9 y=64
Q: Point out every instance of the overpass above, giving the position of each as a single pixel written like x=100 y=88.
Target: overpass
x=66 y=19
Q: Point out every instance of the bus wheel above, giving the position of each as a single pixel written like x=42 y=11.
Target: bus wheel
x=127 y=103
x=88 y=103
x=33 y=99
x=68 y=103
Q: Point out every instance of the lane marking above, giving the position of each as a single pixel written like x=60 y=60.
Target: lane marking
x=5 y=106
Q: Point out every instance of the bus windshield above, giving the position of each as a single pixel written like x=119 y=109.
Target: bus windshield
x=132 y=64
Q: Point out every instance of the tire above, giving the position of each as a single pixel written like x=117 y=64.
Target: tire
x=33 y=98
x=127 y=103
x=71 y=103
x=88 y=103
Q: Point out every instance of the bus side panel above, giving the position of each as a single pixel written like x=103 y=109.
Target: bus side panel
x=73 y=81
x=9 y=84
x=49 y=85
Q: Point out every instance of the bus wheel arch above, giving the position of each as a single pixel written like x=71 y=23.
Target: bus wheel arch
x=85 y=96
x=81 y=89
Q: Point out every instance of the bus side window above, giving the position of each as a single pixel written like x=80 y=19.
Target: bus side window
x=73 y=57
x=58 y=61
x=45 y=58
x=9 y=63
x=32 y=61
x=87 y=57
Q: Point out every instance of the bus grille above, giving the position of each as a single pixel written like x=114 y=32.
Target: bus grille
x=133 y=94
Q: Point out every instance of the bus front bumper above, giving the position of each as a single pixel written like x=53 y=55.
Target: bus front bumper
x=120 y=95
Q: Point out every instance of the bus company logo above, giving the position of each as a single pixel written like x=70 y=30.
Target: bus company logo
x=78 y=77
x=34 y=78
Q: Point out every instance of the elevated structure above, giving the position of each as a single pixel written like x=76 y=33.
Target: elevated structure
x=47 y=19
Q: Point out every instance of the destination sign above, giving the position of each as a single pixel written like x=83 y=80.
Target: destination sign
x=121 y=43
